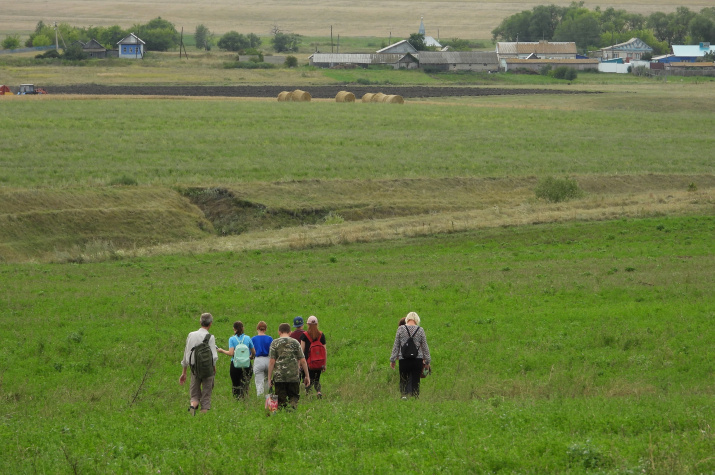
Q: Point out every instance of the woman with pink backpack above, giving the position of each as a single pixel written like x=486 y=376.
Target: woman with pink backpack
x=313 y=345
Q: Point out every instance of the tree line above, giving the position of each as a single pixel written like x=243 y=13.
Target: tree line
x=158 y=34
x=594 y=29
x=281 y=41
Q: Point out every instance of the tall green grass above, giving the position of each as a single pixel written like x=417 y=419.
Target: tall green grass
x=561 y=348
x=168 y=142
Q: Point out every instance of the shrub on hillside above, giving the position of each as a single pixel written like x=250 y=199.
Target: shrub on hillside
x=556 y=190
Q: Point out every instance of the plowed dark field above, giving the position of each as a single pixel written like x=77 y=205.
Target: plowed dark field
x=318 y=92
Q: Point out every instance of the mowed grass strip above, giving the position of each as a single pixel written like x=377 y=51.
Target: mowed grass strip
x=557 y=348
x=169 y=142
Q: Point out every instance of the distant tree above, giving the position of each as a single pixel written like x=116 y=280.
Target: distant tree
x=202 y=35
x=110 y=36
x=658 y=22
x=285 y=42
x=543 y=22
x=582 y=28
x=456 y=44
x=254 y=40
x=233 y=41
x=41 y=40
x=678 y=23
x=701 y=28
x=158 y=34
x=707 y=57
x=11 y=42
x=290 y=62
x=417 y=40
x=514 y=27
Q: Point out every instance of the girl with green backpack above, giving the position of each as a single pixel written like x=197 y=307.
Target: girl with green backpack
x=241 y=351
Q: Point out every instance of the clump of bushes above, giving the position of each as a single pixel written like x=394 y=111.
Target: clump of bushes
x=564 y=72
x=290 y=62
x=555 y=190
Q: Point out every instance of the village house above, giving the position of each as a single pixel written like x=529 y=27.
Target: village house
x=403 y=46
x=542 y=49
x=459 y=60
x=131 y=47
x=363 y=60
x=94 y=49
x=633 y=49
x=690 y=53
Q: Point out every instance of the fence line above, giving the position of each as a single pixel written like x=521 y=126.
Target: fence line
x=26 y=50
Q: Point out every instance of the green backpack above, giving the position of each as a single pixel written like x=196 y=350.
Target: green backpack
x=241 y=354
x=203 y=365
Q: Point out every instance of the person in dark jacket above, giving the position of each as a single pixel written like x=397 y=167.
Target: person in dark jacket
x=410 y=368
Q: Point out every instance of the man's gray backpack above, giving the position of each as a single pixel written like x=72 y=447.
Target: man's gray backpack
x=203 y=359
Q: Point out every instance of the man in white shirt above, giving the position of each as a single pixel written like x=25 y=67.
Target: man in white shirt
x=199 y=389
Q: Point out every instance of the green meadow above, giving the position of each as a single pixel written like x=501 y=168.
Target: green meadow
x=557 y=348
x=569 y=337
x=86 y=142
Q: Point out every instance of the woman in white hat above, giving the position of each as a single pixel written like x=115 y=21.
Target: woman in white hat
x=313 y=345
x=413 y=353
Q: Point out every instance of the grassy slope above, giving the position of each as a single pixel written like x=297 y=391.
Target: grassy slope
x=556 y=347
x=63 y=224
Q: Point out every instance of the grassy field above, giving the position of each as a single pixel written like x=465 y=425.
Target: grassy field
x=557 y=348
x=571 y=337
x=443 y=18
x=92 y=178
x=218 y=141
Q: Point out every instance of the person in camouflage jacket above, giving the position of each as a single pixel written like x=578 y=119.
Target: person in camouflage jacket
x=285 y=359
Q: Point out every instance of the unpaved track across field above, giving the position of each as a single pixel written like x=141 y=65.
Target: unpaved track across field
x=318 y=92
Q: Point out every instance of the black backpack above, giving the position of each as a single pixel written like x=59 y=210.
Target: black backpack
x=203 y=365
x=409 y=348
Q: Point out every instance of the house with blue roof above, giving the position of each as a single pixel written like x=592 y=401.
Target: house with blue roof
x=690 y=53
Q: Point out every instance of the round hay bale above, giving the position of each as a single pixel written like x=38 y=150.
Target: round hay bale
x=284 y=96
x=393 y=99
x=345 y=96
x=300 y=96
x=377 y=97
x=367 y=97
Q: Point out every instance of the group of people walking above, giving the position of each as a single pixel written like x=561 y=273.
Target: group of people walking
x=278 y=364
x=281 y=364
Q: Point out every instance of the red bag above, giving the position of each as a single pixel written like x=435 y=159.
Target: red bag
x=317 y=357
